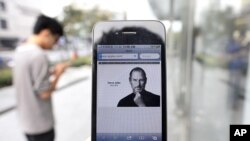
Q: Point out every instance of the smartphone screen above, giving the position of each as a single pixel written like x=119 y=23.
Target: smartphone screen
x=130 y=91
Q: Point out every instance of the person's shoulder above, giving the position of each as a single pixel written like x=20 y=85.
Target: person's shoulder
x=30 y=53
x=152 y=100
x=124 y=101
x=152 y=94
x=31 y=49
x=128 y=97
x=39 y=53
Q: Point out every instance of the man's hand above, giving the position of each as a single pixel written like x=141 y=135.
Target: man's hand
x=138 y=100
x=57 y=72
x=60 y=68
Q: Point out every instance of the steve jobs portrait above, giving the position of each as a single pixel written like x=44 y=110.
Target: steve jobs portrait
x=139 y=97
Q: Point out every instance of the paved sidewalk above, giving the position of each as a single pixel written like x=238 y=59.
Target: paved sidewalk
x=7 y=99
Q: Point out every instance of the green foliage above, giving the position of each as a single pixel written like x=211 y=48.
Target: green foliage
x=81 y=61
x=81 y=21
x=5 y=77
x=211 y=61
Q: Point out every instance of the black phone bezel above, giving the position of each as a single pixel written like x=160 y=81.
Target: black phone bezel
x=164 y=87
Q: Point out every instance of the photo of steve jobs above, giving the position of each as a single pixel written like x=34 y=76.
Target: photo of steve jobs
x=139 y=97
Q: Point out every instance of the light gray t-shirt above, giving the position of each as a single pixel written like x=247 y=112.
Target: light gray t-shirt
x=31 y=77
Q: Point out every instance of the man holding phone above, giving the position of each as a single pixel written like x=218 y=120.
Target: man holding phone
x=140 y=97
x=32 y=81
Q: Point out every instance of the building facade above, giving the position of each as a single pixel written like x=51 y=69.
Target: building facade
x=16 y=21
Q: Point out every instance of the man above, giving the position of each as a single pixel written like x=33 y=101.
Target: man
x=140 y=97
x=32 y=80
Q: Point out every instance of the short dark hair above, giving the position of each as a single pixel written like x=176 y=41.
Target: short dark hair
x=137 y=69
x=44 y=22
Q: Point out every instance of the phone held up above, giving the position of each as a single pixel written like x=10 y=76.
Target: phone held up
x=129 y=98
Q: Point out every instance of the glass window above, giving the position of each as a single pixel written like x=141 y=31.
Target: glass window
x=2 y=6
x=3 y=24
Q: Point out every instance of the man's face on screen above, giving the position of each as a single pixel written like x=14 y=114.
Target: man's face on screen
x=137 y=81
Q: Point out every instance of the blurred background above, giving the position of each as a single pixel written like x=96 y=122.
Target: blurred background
x=207 y=62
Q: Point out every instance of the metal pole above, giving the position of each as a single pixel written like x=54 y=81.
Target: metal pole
x=186 y=65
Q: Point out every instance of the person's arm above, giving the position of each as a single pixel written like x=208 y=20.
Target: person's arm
x=47 y=94
x=58 y=71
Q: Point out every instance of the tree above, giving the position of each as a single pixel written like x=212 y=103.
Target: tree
x=79 y=22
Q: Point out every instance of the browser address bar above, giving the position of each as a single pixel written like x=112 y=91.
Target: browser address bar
x=119 y=56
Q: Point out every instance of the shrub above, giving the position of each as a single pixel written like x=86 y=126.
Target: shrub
x=5 y=77
x=81 y=61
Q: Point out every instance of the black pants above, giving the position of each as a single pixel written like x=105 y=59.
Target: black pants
x=47 y=136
